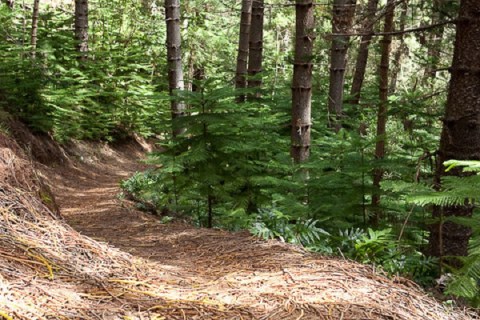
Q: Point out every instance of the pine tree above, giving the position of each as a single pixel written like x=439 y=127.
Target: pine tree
x=362 y=56
x=81 y=28
x=342 y=19
x=243 y=46
x=382 y=108
x=34 y=30
x=174 y=58
x=255 y=52
x=302 y=81
x=460 y=137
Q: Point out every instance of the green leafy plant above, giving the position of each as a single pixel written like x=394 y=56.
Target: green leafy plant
x=270 y=223
x=455 y=191
x=380 y=248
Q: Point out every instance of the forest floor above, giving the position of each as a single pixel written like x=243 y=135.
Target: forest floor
x=177 y=271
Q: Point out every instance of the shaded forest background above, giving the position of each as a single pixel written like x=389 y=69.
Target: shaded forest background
x=229 y=158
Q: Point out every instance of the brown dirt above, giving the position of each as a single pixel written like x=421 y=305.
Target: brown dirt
x=173 y=271
x=269 y=280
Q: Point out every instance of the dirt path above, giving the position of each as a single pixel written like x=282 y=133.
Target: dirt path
x=88 y=197
x=244 y=276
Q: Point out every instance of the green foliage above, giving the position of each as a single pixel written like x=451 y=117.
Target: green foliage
x=458 y=191
x=269 y=223
x=232 y=164
x=380 y=248
x=107 y=97
x=224 y=161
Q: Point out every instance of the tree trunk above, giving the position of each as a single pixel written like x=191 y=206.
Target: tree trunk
x=362 y=57
x=33 y=34
x=302 y=80
x=243 y=44
x=9 y=3
x=81 y=28
x=401 y=51
x=343 y=14
x=196 y=71
x=255 y=54
x=435 y=41
x=382 y=109
x=460 y=137
x=174 y=57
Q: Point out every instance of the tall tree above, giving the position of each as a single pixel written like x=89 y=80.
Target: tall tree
x=196 y=69
x=243 y=44
x=342 y=18
x=435 y=40
x=9 y=3
x=302 y=80
x=174 y=57
x=255 y=54
x=382 y=107
x=81 y=28
x=460 y=137
x=33 y=33
x=401 y=50
x=362 y=57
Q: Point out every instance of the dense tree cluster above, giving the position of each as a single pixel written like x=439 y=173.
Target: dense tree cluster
x=321 y=123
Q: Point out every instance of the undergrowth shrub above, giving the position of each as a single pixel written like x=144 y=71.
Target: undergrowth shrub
x=111 y=94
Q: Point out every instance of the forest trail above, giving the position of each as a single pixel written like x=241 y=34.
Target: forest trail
x=215 y=274
x=87 y=194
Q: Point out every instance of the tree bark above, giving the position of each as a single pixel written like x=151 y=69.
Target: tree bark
x=33 y=33
x=243 y=45
x=302 y=80
x=382 y=109
x=362 y=57
x=9 y=3
x=81 y=28
x=435 y=41
x=460 y=137
x=174 y=57
x=401 y=51
x=255 y=54
x=342 y=19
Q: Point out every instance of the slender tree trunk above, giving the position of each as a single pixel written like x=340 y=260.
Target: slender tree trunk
x=198 y=76
x=302 y=80
x=401 y=51
x=382 y=109
x=81 y=28
x=9 y=3
x=243 y=45
x=210 y=211
x=174 y=57
x=435 y=41
x=33 y=34
x=362 y=57
x=196 y=72
x=342 y=19
x=460 y=137
x=255 y=54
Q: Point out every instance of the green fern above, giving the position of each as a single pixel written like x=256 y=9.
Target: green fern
x=459 y=191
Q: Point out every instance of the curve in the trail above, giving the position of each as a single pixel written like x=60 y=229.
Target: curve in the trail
x=263 y=279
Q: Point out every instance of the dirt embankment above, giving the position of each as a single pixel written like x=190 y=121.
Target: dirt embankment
x=63 y=268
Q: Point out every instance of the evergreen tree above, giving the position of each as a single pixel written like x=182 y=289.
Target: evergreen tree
x=301 y=122
x=460 y=133
x=342 y=19
x=243 y=47
x=174 y=58
x=81 y=28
